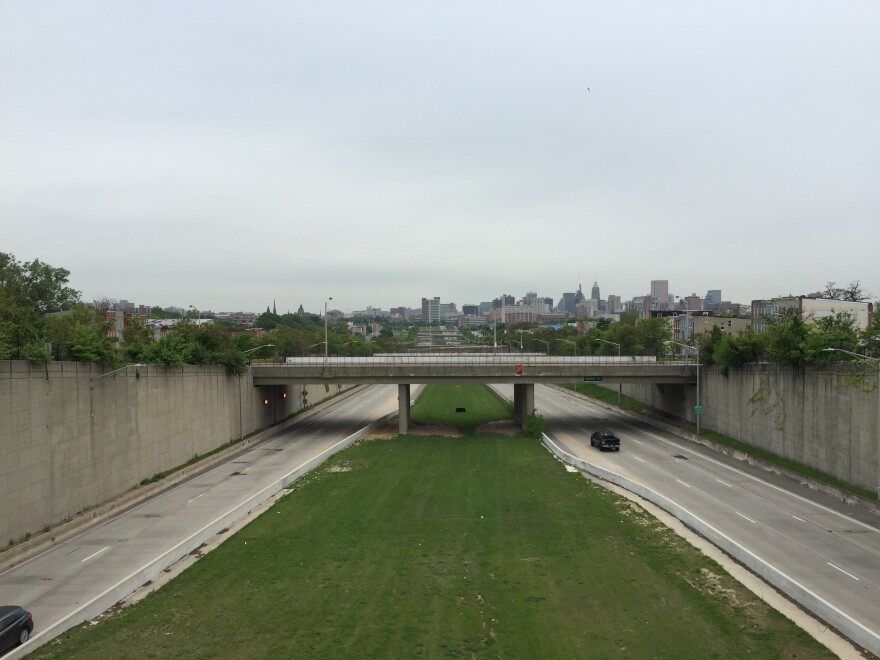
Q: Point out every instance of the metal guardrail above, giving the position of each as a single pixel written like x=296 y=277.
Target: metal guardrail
x=498 y=359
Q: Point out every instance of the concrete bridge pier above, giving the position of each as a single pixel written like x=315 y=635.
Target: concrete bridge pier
x=403 y=408
x=523 y=401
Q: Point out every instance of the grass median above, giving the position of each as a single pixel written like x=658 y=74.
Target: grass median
x=477 y=546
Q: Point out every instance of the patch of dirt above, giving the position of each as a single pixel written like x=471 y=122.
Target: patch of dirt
x=504 y=427
x=342 y=467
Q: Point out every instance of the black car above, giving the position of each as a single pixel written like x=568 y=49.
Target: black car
x=16 y=625
x=605 y=440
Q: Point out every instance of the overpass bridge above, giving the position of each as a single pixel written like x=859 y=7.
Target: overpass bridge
x=523 y=370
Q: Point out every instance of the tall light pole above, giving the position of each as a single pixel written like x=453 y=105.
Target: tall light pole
x=567 y=341
x=543 y=342
x=614 y=343
x=199 y=313
x=698 y=411
x=240 y=396
x=326 y=336
x=866 y=357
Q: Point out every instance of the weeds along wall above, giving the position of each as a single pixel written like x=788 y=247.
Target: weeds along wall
x=73 y=437
x=827 y=419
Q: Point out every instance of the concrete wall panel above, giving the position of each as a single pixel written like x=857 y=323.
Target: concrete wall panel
x=72 y=439
x=826 y=419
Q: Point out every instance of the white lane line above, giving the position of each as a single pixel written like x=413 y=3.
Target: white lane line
x=724 y=483
x=683 y=483
x=638 y=459
x=638 y=442
x=843 y=571
x=779 y=489
x=796 y=517
x=746 y=517
x=196 y=497
x=106 y=547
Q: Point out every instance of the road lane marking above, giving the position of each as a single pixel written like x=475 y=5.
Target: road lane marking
x=723 y=482
x=638 y=459
x=843 y=571
x=682 y=483
x=106 y=547
x=796 y=518
x=196 y=497
x=779 y=489
x=746 y=517
x=638 y=442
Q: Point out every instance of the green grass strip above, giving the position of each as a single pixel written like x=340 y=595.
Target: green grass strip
x=431 y=547
x=438 y=404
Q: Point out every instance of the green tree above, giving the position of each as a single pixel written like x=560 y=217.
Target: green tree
x=136 y=339
x=82 y=336
x=787 y=336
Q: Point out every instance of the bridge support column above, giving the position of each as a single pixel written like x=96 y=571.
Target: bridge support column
x=403 y=408
x=523 y=401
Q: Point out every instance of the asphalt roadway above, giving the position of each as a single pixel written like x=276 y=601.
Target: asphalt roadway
x=59 y=585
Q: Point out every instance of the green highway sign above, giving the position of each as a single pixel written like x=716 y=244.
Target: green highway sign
x=698 y=410
x=592 y=379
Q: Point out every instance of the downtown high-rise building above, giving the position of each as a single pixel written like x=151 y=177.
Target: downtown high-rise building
x=660 y=294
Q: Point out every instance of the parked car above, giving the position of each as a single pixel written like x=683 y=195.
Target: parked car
x=16 y=625
x=605 y=440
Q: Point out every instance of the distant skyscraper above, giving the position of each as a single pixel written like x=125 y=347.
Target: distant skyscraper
x=431 y=310
x=594 y=294
x=660 y=293
x=614 y=304
x=713 y=297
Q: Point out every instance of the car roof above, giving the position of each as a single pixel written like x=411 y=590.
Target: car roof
x=6 y=609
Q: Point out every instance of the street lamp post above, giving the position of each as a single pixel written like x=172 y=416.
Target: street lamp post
x=326 y=337
x=543 y=342
x=199 y=314
x=240 y=394
x=697 y=408
x=306 y=349
x=613 y=343
x=567 y=341
x=865 y=358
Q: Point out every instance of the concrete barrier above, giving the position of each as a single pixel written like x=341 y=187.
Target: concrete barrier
x=824 y=610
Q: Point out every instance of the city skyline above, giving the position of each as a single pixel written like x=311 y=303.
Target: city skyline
x=168 y=154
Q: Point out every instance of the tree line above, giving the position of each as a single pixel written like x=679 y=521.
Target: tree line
x=43 y=319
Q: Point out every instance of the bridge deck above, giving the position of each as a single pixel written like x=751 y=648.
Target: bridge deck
x=501 y=368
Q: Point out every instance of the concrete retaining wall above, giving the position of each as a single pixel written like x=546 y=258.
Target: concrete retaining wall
x=825 y=419
x=72 y=437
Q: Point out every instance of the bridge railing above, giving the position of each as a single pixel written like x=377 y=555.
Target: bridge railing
x=492 y=359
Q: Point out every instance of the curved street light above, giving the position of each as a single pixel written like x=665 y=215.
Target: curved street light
x=865 y=358
x=306 y=349
x=697 y=353
x=547 y=343
x=614 y=343
x=199 y=313
x=568 y=341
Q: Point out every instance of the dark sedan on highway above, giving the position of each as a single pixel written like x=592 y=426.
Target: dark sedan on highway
x=16 y=625
x=605 y=440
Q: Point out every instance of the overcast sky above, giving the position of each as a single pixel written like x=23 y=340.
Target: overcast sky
x=225 y=154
